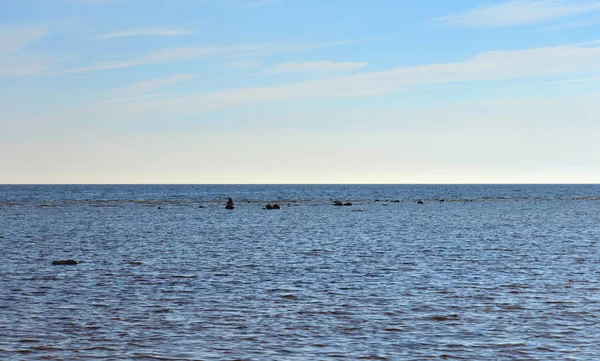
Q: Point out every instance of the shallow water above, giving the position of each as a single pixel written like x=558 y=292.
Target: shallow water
x=492 y=273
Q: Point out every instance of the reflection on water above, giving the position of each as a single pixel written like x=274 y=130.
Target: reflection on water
x=513 y=275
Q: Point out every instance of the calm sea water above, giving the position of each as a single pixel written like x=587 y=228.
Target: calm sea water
x=496 y=272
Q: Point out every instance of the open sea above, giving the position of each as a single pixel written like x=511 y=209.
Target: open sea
x=494 y=272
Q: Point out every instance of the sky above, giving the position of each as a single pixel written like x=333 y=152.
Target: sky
x=299 y=91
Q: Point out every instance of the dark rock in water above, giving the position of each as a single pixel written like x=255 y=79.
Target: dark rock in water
x=338 y=203
x=200 y=206
x=135 y=263
x=348 y=203
x=442 y=200
x=64 y=262
x=420 y=201
x=396 y=201
x=269 y=206
x=229 y=206
x=272 y=206
x=159 y=208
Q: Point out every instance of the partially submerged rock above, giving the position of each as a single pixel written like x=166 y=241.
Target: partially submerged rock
x=64 y=262
x=272 y=206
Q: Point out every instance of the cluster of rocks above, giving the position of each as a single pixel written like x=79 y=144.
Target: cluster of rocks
x=269 y=206
x=276 y=205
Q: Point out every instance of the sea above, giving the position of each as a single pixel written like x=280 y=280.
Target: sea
x=165 y=272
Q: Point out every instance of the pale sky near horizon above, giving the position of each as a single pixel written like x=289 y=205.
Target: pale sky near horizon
x=299 y=91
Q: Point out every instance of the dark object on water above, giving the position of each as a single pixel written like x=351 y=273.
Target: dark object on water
x=230 y=204
x=158 y=208
x=396 y=201
x=348 y=203
x=200 y=206
x=442 y=200
x=420 y=201
x=64 y=262
x=272 y=206
x=338 y=203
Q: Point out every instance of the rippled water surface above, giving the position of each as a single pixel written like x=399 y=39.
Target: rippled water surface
x=492 y=273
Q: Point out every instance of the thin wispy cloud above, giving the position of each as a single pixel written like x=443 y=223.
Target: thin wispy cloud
x=147 y=31
x=244 y=64
x=15 y=38
x=577 y=80
x=167 y=56
x=519 y=12
x=15 y=61
x=488 y=66
x=25 y=65
x=314 y=66
x=196 y=52
x=154 y=84
x=124 y=99
x=579 y=23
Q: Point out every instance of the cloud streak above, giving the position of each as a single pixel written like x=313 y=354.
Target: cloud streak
x=579 y=23
x=578 y=80
x=148 y=31
x=167 y=56
x=196 y=52
x=154 y=84
x=518 y=12
x=488 y=66
x=314 y=66
x=14 y=60
x=15 y=38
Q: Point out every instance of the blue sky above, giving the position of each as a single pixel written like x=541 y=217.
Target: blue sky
x=299 y=91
